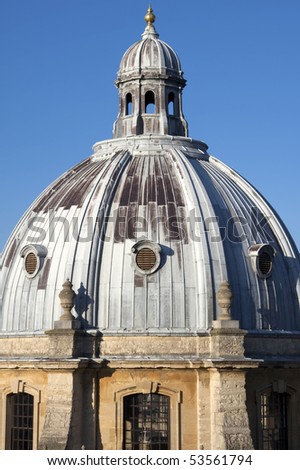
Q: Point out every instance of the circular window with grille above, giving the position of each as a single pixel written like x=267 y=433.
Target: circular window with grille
x=33 y=259
x=262 y=259
x=264 y=263
x=31 y=263
x=146 y=257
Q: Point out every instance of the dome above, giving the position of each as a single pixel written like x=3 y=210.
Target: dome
x=148 y=55
x=148 y=227
x=198 y=218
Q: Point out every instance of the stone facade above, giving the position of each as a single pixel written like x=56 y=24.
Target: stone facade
x=79 y=382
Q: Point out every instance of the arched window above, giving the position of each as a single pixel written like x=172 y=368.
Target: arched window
x=150 y=107
x=146 y=422
x=20 y=422
x=128 y=107
x=171 y=104
x=273 y=420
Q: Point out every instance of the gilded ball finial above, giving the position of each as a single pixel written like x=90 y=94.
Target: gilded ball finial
x=150 y=17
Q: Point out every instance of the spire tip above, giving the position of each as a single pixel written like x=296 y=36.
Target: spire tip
x=150 y=17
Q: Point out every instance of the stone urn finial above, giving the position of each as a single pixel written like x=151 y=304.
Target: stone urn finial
x=224 y=299
x=67 y=299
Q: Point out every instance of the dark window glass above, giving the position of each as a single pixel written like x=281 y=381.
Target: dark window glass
x=21 y=421
x=265 y=263
x=146 y=422
x=273 y=421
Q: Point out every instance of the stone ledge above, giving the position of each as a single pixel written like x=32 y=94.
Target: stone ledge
x=67 y=325
x=226 y=325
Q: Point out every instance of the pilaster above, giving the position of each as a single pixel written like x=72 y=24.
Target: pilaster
x=230 y=428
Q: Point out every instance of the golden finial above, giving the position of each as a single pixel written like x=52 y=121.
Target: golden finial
x=150 y=17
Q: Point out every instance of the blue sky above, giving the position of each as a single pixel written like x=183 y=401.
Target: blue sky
x=59 y=60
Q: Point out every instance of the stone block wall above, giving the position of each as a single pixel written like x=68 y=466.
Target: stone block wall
x=79 y=382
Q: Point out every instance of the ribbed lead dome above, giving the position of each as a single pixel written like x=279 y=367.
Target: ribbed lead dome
x=146 y=230
x=150 y=54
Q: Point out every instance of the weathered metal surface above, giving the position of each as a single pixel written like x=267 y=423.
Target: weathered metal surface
x=202 y=214
x=71 y=189
x=10 y=253
x=43 y=278
x=150 y=53
x=150 y=179
x=54 y=188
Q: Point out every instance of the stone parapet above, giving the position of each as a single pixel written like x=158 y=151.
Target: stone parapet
x=223 y=340
x=268 y=344
x=24 y=346
x=71 y=343
x=227 y=339
x=176 y=345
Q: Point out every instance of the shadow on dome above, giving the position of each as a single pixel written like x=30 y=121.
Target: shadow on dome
x=82 y=303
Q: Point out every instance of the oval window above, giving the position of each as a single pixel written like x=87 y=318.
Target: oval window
x=33 y=259
x=262 y=256
x=31 y=263
x=146 y=259
x=264 y=263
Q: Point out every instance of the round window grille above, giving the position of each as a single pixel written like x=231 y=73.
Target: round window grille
x=31 y=263
x=265 y=263
x=146 y=259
